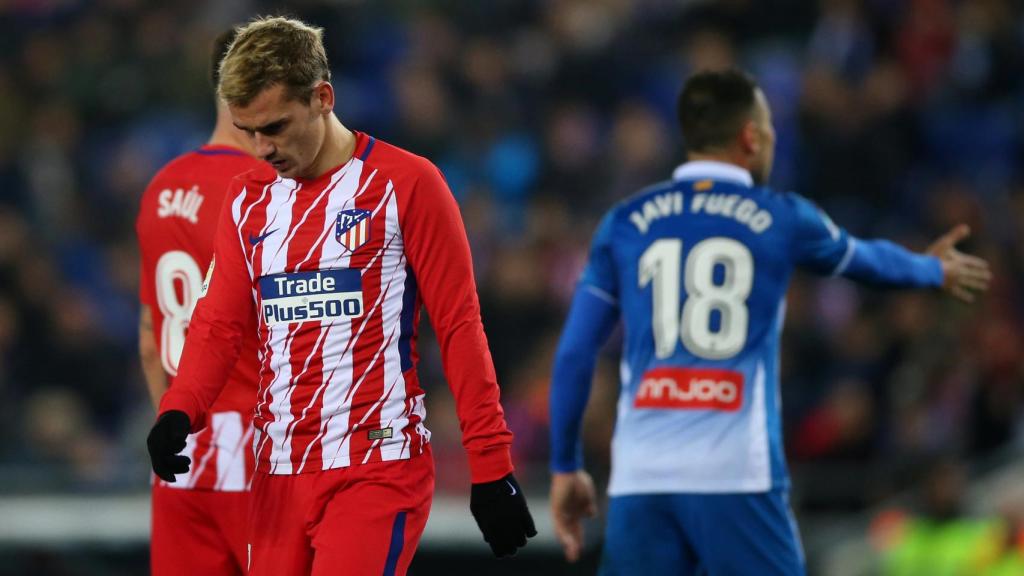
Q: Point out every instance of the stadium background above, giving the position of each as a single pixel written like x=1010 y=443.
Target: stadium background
x=904 y=412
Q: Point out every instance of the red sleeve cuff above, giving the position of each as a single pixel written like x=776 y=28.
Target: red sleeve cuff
x=490 y=465
x=170 y=402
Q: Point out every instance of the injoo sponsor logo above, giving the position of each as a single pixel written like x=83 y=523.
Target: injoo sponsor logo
x=690 y=388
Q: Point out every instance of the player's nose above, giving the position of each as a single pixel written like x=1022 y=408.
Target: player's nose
x=264 y=147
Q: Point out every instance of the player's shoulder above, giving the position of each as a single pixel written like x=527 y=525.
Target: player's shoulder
x=173 y=171
x=203 y=165
x=395 y=160
x=636 y=200
x=793 y=202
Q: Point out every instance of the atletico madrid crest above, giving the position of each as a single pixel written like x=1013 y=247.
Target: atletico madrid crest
x=353 y=228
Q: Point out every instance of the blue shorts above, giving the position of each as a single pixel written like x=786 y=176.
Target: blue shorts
x=702 y=535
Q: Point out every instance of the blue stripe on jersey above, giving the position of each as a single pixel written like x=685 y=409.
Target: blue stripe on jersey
x=397 y=542
x=366 y=151
x=408 y=314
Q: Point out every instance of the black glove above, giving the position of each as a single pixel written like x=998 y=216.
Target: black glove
x=165 y=440
x=501 y=513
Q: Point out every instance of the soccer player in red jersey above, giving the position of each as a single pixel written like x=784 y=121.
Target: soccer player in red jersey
x=332 y=252
x=199 y=517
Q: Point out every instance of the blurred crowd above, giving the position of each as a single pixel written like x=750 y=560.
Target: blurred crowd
x=900 y=118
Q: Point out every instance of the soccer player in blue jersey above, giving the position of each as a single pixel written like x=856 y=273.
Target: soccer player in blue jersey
x=697 y=268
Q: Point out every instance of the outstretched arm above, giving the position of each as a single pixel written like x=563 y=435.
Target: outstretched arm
x=823 y=247
x=942 y=265
x=884 y=263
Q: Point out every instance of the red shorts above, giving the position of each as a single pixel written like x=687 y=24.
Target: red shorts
x=365 y=519
x=198 y=532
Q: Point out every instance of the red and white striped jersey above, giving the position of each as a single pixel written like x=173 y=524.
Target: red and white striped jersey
x=176 y=225
x=335 y=270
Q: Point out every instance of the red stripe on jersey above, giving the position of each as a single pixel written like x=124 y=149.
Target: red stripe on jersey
x=204 y=463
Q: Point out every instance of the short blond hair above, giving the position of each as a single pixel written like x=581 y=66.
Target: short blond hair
x=269 y=51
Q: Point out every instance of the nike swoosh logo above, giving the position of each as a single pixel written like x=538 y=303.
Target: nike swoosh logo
x=254 y=240
x=512 y=487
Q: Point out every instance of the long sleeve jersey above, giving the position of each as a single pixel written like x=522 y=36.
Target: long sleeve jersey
x=335 y=270
x=697 y=270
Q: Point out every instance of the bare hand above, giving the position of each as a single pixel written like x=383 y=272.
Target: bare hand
x=572 y=499
x=963 y=274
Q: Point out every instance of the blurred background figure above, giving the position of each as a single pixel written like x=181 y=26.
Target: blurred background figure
x=938 y=535
x=900 y=118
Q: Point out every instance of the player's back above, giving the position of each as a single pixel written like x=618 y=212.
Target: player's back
x=699 y=267
x=178 y=216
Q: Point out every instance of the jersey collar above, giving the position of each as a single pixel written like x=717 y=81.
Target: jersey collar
x=711 y=170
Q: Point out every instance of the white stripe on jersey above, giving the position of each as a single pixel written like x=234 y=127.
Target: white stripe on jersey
x=275 y=246
x=279 y=212
x=229 y=438
x=392 y=413
x=236 y=213
x=197 y=470
x=333 y=418
x=851 y=247
x=759 y=476
x=317 y=349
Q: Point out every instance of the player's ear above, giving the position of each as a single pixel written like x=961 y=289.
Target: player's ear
x=323 y=97
x=750 y=138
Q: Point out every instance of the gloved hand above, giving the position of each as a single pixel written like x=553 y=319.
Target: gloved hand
x=501 y=513
x=165 y=440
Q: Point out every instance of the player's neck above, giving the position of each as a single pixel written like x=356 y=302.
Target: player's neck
x=339 y=146
x=725 y=157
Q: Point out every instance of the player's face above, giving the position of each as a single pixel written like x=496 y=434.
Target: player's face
x=285 y=132
x=761 y=166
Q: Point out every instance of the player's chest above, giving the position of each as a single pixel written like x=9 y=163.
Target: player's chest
x=346 y=225
x=316 y=258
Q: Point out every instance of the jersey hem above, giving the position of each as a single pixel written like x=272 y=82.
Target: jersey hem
x=715 y=487
x=183 y=488
x=268 y=466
